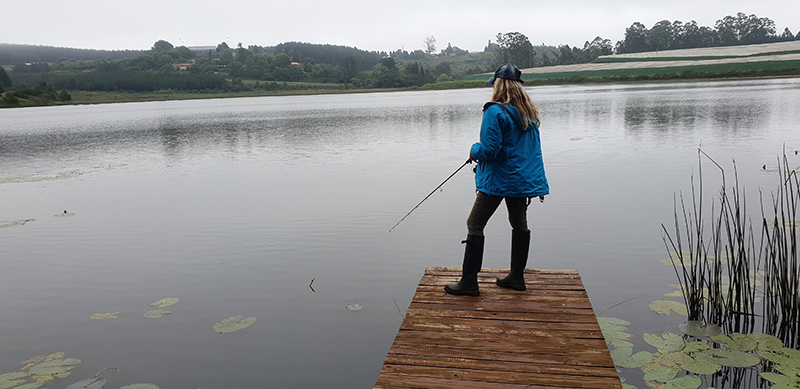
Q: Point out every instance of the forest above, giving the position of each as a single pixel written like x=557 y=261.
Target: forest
x=31 y=73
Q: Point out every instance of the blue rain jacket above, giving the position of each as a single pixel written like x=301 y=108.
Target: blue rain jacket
x=509 y=159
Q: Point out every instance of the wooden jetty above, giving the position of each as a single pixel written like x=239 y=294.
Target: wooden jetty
x=545 y=337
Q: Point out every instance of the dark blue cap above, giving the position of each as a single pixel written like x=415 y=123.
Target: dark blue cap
x=507 y=71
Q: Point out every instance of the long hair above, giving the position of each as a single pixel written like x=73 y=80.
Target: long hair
x=511 y=92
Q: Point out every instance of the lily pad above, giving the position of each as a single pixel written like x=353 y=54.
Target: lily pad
x=662 y=374
x=10 y=380
x=736 y=341
x=618 y=343
x=781 y=381
x=167 y=302
x=783 y=356
x=91 y=383
x=700 y=364
x=55 y=366
x=699 y=330
x=140 y=386
x=685 y=382
x=624 y=357
x=354 y=307
x=665 y=341
x=104 y=316
x=32 y=385
x=732 y=358
x=767 y=342
x=612 y=321
x=156 y=313
x=233 y=324
x=664 y=307
x=693 y=347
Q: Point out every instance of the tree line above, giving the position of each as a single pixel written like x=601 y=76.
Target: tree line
x=741 y=29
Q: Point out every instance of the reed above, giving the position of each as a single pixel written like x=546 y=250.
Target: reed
x=721 y=272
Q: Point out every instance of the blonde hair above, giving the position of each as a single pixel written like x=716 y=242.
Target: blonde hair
x=511 y=92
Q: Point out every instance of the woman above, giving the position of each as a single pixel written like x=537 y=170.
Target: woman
x=510 y=168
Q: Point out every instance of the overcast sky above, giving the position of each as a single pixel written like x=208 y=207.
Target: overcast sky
x=368 y=25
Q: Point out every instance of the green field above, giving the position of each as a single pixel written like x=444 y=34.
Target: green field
x=752 y=69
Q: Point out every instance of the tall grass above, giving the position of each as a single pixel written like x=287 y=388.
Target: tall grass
x=722 y=267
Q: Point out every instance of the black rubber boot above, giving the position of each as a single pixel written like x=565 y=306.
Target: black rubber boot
x=473 y=259
x=520 y=244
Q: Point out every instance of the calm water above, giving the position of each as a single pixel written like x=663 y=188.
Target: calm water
x=236 y=205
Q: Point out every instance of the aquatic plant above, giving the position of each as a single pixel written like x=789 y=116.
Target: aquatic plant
x=720 y=273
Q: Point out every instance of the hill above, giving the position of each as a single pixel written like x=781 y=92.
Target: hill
x=781 y=58
x=12 y=54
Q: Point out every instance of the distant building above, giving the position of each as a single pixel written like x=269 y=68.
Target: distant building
x=182 y=66
x=202 y=49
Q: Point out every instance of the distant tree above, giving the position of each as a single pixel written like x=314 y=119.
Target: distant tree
x=491 y=47
x=349 y=68
x=282 y=60
x=442 y=68
x=515 y=48
x=416 y=54
x=162 y=45
x=660 y=36
x=597 y=47
x=222 y=47
x=389 y=63
x=635 y=40
x=4 y=80
x=786 y=35
x=430 y=44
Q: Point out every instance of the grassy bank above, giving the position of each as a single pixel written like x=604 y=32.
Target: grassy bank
x=255 y=89
x=748 y=69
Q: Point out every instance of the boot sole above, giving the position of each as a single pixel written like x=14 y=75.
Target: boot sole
x=511 y=286
x=475 y=292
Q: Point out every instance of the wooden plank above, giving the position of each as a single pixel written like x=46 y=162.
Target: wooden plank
x=546 y=337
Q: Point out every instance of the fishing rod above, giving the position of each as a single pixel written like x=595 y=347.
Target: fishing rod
x=431 y=194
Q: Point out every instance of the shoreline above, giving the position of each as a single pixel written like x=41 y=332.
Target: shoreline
x=94 y=97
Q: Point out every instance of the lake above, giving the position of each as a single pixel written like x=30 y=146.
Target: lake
x=279 y=208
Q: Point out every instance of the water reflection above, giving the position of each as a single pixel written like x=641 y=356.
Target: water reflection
x=234 y=203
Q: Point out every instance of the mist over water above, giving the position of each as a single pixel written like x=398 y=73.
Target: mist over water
x=236 y=205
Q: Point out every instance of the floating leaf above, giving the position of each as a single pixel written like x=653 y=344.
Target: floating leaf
x=354 y=307
x=156 y=313
x=664 y=307
x=665 y=341
x=736 y=341
x=781 y=381
x=685 y=382
x=732 y=358
x=628 y=386
x=782 y=356
x=140 y=386
x=55 y=366
x=43 y=378
x=104 y=316
x=665 y=359
x=32 y=385
x=167 y=302
x=233 y=324
x=56 y=355
x=10 y=380
x=693 y=347
x=619 y=343
x=700 y=365
x=612 y=324
x=616 y=335
x=662 y=374
x=699 y=330
x=91 y=383
x=767 y=342
x=624 y=357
